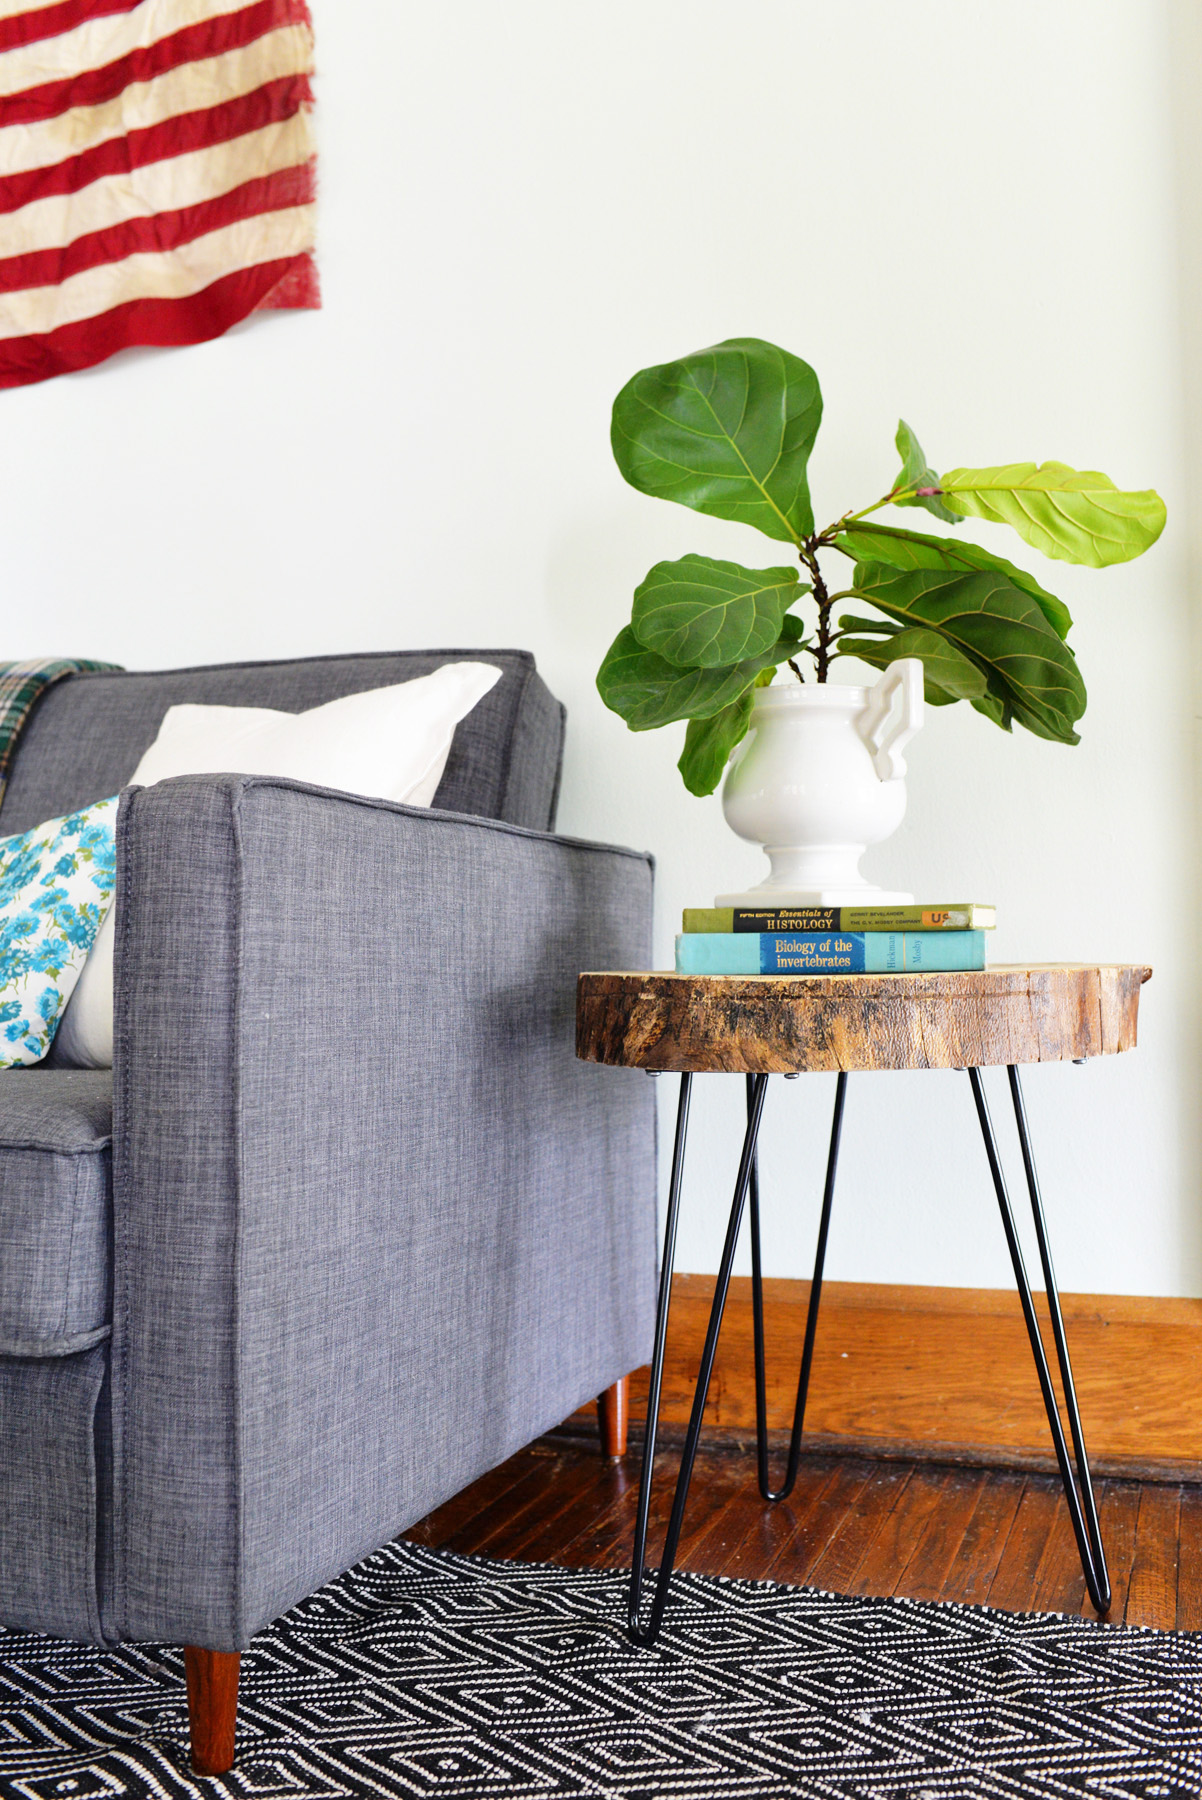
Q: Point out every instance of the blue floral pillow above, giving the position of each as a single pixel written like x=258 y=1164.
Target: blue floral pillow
x=56 y=885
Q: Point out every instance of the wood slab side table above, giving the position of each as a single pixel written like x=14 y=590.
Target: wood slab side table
x=762 y=1025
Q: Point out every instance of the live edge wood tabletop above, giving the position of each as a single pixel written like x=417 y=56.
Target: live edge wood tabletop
x=787 y=1024
x=762 y=1025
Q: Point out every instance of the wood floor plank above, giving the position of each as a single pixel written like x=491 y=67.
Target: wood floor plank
x=597 y=1543
x=817 y=1524
x=1189 y=1561
x=979 y=1556
x=438 y=1527
x=938 y=1544
x=610 y=1543
x=765 y=1533
x=718 y=1539
x=1059 y=1581
x=1152 y=1592
x=891 y=1546
x=476 y=1533
x=860 y=1526
x=1012 y=1586
x=933 y=1531
x=787 y=1539
x=723 y=1480
x=1118 y=1517
x=583 y=1488
x=546 y=1538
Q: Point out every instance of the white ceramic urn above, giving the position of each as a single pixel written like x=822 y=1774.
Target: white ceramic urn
x=818 y=778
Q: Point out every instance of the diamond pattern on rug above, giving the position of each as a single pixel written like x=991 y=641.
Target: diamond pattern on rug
x=421 y=1673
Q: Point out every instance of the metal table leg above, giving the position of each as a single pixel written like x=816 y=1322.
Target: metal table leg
x=647 y=1633
x=757 y=1308
x=1082 y=1508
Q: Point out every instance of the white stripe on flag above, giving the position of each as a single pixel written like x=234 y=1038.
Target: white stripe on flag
x=159 y=275
x=158 y=187
x=191 y=88
x=102 y=41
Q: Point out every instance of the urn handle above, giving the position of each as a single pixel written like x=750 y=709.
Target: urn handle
x=887 y=728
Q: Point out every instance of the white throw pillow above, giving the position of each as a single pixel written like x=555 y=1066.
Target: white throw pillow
x=390 y=743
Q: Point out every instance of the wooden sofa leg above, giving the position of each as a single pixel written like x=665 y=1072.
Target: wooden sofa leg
x=612 y=1409
x=212 y=1707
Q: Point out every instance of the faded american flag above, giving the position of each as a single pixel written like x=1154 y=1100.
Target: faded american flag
x=156 y=174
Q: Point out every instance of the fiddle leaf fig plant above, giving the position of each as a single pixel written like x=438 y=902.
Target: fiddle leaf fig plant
x=729 y=431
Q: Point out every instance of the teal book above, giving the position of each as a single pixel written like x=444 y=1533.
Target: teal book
x=827 y=952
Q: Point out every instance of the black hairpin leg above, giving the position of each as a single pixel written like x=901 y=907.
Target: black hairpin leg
x=1081 y=1506
x=647 y=1633
x=757 y=1310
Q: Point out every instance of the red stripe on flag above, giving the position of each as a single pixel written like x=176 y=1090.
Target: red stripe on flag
x=161 y=231
x=298 y=287
x=193 y=320
x=52 y=21
x=270 y=104
x=195 y=43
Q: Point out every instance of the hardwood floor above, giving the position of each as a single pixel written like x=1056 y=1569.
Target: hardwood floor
x=922 y=1529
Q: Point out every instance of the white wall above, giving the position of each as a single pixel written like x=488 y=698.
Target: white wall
x=964 y=214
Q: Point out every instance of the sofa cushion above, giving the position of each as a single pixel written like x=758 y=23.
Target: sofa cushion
x=87 y=733
x=55 y=1210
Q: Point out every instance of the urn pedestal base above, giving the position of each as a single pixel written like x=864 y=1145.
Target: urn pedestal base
x=815 y=875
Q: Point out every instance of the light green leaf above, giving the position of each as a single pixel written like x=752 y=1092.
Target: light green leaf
x=1078 y=516
x=997 y=626
x=870 y=542
x=709 y=742
x=702 y=614
x=948 y=674
x=727 y=431
x=916 y=472
x=647 y=691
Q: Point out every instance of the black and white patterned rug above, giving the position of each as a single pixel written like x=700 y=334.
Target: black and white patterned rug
x=423 y=1673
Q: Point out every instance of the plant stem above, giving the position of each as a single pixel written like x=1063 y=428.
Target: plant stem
x=889 y=499
x=823 y=647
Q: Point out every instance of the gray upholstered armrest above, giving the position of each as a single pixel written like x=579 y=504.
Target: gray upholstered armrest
x=375 y=1226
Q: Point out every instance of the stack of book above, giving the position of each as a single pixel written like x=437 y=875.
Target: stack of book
x=832 y=940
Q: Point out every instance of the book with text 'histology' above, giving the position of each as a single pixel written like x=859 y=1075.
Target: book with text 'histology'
x=961 y=915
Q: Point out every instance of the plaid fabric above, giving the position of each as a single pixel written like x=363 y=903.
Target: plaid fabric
x=22 y=685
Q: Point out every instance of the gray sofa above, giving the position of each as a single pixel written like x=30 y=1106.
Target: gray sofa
x=348 y=1224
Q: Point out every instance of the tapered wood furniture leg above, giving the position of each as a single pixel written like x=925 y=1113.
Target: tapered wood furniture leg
x=613 y=1409
x=212 y=1707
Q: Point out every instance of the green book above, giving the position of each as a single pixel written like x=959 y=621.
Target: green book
x=959 y=915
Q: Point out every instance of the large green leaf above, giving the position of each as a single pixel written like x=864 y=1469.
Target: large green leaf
x=709 y=742
x=996 y=625
x=702 y=614
x=726 y=431
x=648 y=691
x=916 y=472
x=948 y=674
x=1078 y=516
x=870 y=542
